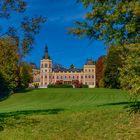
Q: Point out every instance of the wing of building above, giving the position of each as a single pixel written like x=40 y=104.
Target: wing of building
x=48 y=75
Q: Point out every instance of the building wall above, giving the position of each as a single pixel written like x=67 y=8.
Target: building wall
x=47 y=76
x=90 y=76
x=45 y=72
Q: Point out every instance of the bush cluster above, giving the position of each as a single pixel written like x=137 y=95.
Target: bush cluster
x=85 y=86
x=60 y=86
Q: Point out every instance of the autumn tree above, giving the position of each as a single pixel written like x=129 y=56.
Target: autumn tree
x=116 y=22
x=9 y=62
x=130 y=73
x=25 y=76
x=100 y=71
x=16 y=42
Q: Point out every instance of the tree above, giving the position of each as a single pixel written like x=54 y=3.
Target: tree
x=113 y=63
x=3 y=87
x=112 y=21
x=15 y=43
x=26 y=30
x=72 y=66
x=116 y=22
x=99 y=70
x=130 y=74
x=9 y=62
x=25 y=76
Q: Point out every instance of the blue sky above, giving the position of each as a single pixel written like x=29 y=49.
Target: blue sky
x=63 y=48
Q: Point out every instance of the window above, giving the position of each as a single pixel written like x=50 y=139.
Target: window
x=46 y=76
x=89 y=70
x=92 y=76
x=42 y=65
x=92 y=70
x=61 y=77
x=89 y=76
x=86 y=76
x=73 y=77
x=57 y=77
x=46 y=65
x=82 y=77
x=77 y=77
x=45 y=70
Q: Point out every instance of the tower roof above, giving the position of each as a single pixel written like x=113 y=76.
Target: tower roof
x=46 y=55
x=90 y=62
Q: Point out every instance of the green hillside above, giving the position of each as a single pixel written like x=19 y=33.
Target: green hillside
x=68 y=114
x=68 y=99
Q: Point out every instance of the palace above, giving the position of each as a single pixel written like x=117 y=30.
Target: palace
x=47 y=74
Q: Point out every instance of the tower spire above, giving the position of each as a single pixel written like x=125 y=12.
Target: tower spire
x=46 y=55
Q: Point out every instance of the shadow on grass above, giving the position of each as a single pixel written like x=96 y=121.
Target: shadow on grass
x=20 y=91
x=7 y=95
x=30 y=112
x=118 y=103
x=131 y=107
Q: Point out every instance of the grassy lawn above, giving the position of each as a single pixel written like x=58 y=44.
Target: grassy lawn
x=68 y=114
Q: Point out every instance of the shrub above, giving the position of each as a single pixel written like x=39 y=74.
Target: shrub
x=85 y=86
x=60 y=86
x=36 y=85
x=101 y=83
x=77 y=84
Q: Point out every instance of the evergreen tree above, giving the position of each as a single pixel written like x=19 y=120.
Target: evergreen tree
x=113 y=63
